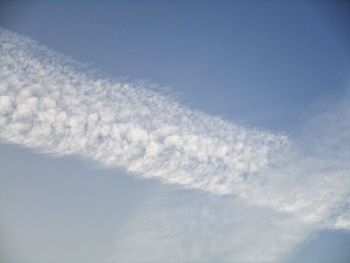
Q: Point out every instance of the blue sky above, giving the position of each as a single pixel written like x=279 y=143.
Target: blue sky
x=270 y=65
x=286 y=52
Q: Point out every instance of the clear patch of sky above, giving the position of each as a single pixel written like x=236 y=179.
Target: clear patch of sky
x=327 y=246
x=61 y=209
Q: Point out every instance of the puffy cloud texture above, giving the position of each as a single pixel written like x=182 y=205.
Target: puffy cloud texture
x=258 y=179
x=47 y=104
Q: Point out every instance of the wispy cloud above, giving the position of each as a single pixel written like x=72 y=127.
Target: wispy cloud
x=188 y=226
x=49 y=103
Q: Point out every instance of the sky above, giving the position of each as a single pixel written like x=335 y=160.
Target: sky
x=275 y=73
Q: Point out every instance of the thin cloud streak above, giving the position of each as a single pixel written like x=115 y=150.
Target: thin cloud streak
x=184 y=226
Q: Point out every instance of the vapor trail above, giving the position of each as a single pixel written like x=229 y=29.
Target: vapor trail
x=50 y=104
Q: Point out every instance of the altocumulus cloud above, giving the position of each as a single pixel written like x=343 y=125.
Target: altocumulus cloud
x=249 y=179
x=49 y=105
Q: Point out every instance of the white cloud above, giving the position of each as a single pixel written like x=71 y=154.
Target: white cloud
x=180 y=226
x=122 y=124
x=47 y=103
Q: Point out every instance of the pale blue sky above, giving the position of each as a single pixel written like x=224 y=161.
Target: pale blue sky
x=267 y=64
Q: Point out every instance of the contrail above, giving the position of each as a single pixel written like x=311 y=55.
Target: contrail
x=49 y=103
x=180 y=226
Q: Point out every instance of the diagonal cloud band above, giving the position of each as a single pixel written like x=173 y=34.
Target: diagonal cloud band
x=48 y=103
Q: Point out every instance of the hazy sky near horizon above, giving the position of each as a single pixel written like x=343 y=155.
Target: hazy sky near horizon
x=270 y=65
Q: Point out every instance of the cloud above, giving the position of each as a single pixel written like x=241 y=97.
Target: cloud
x=187 y=226
x=263 y=183
x=48 y=104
